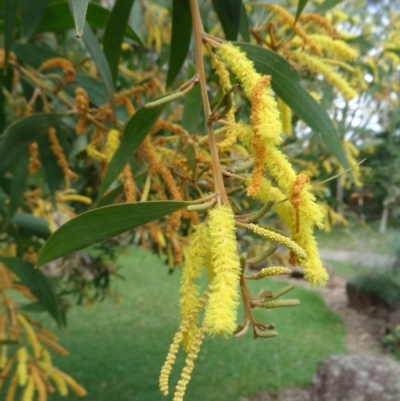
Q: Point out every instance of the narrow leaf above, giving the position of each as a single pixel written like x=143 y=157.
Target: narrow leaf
x=79 y=8
x=3 y=119
x=52 y=171
x=190 y=154
x=286 y=84
x=32 y=54
x=244 y=27
x=33 y=224
x=327 y=5
x=95 y=88
x=19 y=135
x=34 y=307
x=38 y=284
x=135 y=131
x=59 y=18
x=192 y=107
x=229 y=15
x=300 y=8
x=17 y=189
x=109 y=198
x=180 y=37
x=114 y=34
x=101 y=224
x=32 y=13
x=93 y=47
x=9 y=18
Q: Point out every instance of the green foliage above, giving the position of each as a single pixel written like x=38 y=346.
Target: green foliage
x=384 y=285
x=180 y=38
x=102 y=223
x=39 y=285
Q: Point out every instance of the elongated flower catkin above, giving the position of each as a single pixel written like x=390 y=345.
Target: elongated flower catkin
x=328 y=72
x=280 y=239
x=221 y=309
x=310 y=215
x=194 y=262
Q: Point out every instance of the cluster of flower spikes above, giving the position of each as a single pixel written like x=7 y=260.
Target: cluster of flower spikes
x=213 y=248
x=301 y=213
x=26 y=364
x=319 y=52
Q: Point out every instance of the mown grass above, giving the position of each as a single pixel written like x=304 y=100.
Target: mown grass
x=117 y=350
x=359 y=238
x=348 y=270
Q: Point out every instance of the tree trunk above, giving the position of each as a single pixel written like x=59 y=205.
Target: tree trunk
x=384 y=218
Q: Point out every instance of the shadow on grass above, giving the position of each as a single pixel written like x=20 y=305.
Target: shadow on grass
x=117 y=350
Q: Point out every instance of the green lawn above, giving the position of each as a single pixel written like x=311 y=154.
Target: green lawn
x=360 y=238
x=117 y=350
x=348 y=270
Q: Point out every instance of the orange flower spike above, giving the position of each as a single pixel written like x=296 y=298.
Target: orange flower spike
x=61 y=158
x=295 y=197
x=82 y=107
x=129 y=184
x=63 y=63
x=34 y=162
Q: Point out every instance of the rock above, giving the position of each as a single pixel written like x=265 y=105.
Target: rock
x=356 y=378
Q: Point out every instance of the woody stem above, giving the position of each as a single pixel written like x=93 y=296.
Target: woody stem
x=198 y=38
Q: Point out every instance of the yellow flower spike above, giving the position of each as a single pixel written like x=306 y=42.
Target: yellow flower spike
x=270 y=271
x=310 y=215
x=282 y=206
x=76 y=387
x=174 y=348
x=221 y=309
x=278 y=165
x=59 y=382
x=22 y=367
x=208 y=258
x=328 y=72
x=338 y=47
x=283 y=303
x=261 y=125
x=189 y=365
x=30 y=335
x=280 y=239
x=286 y=117
x=76 y=198
x=12 y=389
x=169 y=362
x=112 y=143
x=94 y=153
x=29 y=390
x=240 y=65
x=194 y=262
x=322 y=21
